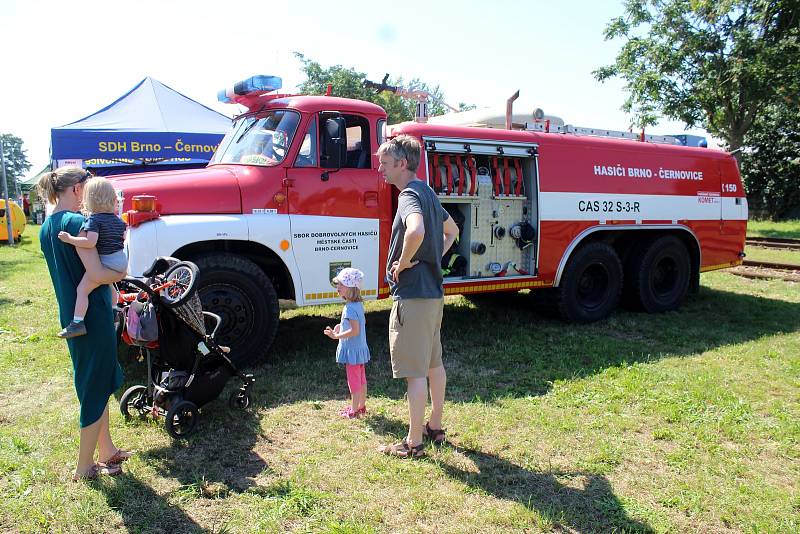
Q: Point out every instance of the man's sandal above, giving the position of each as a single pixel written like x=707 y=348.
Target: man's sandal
x=437 y=436
x=97 y=470
x=120 y=456
x=403 y=450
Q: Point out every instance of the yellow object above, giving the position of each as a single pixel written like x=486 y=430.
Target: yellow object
x=17 y=221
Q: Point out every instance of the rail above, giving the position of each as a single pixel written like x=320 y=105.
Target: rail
x=789 y=272
x=773 y=242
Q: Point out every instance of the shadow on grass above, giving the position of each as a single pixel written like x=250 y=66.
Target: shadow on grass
x=589 y=507
x=197 y=461
x=501 y=348
x=506 y=348
x=142 y=509
x=204 y=468
x=586 y=504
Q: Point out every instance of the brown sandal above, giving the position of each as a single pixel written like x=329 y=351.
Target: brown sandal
x=97 y=470
x=403 y=450
x=437 y=436
x=120 y=456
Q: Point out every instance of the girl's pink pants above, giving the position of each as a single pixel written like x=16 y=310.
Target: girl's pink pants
x=356 y=377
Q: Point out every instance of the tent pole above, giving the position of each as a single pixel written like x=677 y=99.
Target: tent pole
x=9 y=225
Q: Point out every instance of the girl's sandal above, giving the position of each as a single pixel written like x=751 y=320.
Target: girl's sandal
x=403 y=450
x=97 y=470
x=348 y=413
x=120 y=456
x=437 y=436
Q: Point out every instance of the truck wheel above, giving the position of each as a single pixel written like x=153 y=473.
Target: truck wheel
x=660 y=275
x=237 y=290
x=591 y=284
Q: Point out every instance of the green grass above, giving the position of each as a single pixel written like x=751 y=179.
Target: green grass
x=788 y=229
x=774 y=255
x=783 y=229
x=680 y=422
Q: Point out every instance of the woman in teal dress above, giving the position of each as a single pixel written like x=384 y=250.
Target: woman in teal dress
x=96 y=371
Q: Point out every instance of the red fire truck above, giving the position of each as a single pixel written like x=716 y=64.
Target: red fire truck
x=292 y=195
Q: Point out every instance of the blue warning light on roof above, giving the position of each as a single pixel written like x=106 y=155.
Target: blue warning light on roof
x=692 y=140
x=260 y=83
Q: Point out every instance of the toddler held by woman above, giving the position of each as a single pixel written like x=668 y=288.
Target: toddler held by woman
x=105 y=231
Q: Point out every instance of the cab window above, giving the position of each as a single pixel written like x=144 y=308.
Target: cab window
x=259 y=140
x=381 y=131
x=358 y=142
x=307 y=156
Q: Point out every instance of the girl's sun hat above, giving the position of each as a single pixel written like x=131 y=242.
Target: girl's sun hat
x=349 y=277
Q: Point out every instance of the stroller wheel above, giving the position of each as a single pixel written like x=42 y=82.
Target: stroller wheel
x=181 y=419
x=239 y=400
x=184 y=276
x=134 y=402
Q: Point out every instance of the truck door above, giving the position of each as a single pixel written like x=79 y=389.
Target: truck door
x=334 y=210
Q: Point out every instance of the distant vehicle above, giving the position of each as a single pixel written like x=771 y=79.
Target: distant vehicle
x=17 y=221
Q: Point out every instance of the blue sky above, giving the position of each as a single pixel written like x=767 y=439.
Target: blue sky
x=65 y=60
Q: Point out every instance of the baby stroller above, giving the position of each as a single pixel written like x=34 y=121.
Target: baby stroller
x=186 y=368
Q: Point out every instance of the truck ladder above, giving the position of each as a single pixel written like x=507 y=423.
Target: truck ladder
x=544 y=126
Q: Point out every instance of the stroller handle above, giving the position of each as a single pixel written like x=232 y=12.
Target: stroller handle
x=216 y=318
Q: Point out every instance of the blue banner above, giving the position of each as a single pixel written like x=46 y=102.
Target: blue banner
x=132 y=146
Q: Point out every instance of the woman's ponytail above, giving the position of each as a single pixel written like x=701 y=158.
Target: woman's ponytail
x=48 y=186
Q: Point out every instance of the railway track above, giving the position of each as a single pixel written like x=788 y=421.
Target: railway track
x=766 y=269
x=771 y=265
x=773 y=242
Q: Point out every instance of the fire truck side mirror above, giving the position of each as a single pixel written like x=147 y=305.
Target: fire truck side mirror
x=334 y=143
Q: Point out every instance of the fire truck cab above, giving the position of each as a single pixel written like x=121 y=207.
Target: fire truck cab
x=293 y=195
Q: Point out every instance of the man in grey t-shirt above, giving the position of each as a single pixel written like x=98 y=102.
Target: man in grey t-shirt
x=422 y=230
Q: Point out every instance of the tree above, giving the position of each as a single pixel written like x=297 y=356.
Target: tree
x=771 y=163
x=717 y=64
x=16 y=161
x=348 y=83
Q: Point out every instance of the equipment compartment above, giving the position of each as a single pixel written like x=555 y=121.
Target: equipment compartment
x=455 y=262
x=461 y=175
x=492 y=199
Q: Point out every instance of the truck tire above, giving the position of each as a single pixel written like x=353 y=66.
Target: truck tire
x=660 y=274
x=591 y=284
x=237 y=290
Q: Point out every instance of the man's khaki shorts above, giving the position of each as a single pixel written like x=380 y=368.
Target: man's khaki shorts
x=415 y=341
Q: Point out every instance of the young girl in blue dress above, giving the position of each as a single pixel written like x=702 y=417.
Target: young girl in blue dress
x=351 y=332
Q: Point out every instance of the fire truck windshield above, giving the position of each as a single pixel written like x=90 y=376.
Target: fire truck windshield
x=259 y=140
